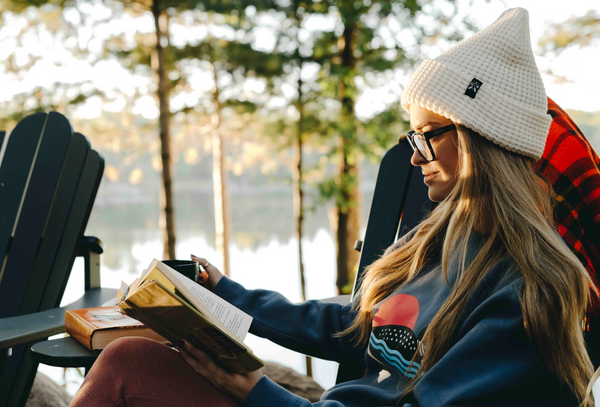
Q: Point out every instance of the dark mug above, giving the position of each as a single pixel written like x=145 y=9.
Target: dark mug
x=188 y=268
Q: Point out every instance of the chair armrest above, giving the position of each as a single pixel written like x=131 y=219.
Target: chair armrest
x=340 y=299
x=90 y=248
x=22 y=329
x=91 y=243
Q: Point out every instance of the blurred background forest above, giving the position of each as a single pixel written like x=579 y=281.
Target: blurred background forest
x=249 y=132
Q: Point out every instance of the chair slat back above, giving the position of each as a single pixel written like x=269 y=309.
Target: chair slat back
x=83 y=201
x=399 y=203
x=417 y=205
x=31 y=219
x=14 y=172
x=75 y=158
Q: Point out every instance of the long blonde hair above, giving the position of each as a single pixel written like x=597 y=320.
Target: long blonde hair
x=497 y=192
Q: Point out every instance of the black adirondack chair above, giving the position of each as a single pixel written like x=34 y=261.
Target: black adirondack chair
x=49 y=177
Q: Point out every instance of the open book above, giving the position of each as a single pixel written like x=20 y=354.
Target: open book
x=178 y=308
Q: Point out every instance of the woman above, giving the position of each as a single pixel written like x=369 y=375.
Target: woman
x=480 y=304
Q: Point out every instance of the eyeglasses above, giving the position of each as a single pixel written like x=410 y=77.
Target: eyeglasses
x=420 y=141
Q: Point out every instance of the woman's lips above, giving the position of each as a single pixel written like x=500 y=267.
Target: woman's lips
x=428 y=176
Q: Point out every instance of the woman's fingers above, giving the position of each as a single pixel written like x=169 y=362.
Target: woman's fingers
x=237 y=386
x=214 y=275
x=194 y=363
x=205 y=365
x=204 y=359
x=201 y=260
x=198 y=367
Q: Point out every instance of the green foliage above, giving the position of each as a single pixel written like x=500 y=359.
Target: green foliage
x=337 y=188
x=344 y=54
x=234 y=7
x=231 y=55
x=573 y=31
x=383 y=130
x=18 y=6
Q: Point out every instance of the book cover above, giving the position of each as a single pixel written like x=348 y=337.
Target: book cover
x=178 y=308
x=96 y=327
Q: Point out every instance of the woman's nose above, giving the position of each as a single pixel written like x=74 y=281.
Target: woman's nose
x=417 y=159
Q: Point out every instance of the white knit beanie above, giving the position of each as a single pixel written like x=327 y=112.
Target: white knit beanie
x=490 y=84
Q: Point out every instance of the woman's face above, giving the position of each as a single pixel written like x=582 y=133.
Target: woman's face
x=440 y=175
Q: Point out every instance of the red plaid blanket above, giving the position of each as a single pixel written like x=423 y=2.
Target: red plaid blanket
x=573 y=169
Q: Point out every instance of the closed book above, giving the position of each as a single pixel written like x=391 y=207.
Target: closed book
x=96 y=327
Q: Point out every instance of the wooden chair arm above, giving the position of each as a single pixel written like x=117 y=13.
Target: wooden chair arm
x=22 y=329
x=90 y=249
x=340 y=299
x=91 y=243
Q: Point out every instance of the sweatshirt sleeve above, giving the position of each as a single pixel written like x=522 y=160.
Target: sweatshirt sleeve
x=267 y=393
x=307 y=327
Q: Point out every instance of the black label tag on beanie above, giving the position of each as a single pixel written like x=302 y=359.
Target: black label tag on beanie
x=473 y=88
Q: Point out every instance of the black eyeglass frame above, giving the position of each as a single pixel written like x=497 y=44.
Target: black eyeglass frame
x=428 y=135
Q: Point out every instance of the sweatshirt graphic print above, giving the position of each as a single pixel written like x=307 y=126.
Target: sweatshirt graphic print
x=393 y=341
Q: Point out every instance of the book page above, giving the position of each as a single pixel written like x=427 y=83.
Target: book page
x=168 y=277
x=236 y=320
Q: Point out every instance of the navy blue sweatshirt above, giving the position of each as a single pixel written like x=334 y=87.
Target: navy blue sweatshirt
x=491 y=358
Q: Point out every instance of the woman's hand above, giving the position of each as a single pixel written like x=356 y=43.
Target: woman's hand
x=214 y=275
x=237 y=386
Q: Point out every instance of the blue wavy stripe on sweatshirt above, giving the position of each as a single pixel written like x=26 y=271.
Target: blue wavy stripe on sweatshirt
x=395 y=353
x=393 y=361
x=394 y=357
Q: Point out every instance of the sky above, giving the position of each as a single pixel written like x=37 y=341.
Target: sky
x=578 y=65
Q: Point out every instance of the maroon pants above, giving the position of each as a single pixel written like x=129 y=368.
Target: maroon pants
x=141 y=372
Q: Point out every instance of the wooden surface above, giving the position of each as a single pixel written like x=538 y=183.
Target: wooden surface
x=40 y=325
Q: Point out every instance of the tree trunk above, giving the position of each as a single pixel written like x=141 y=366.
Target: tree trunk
x=348 y=226
x=348 y=213
x=220 y=184
x=165 y=137
x=299 y=198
